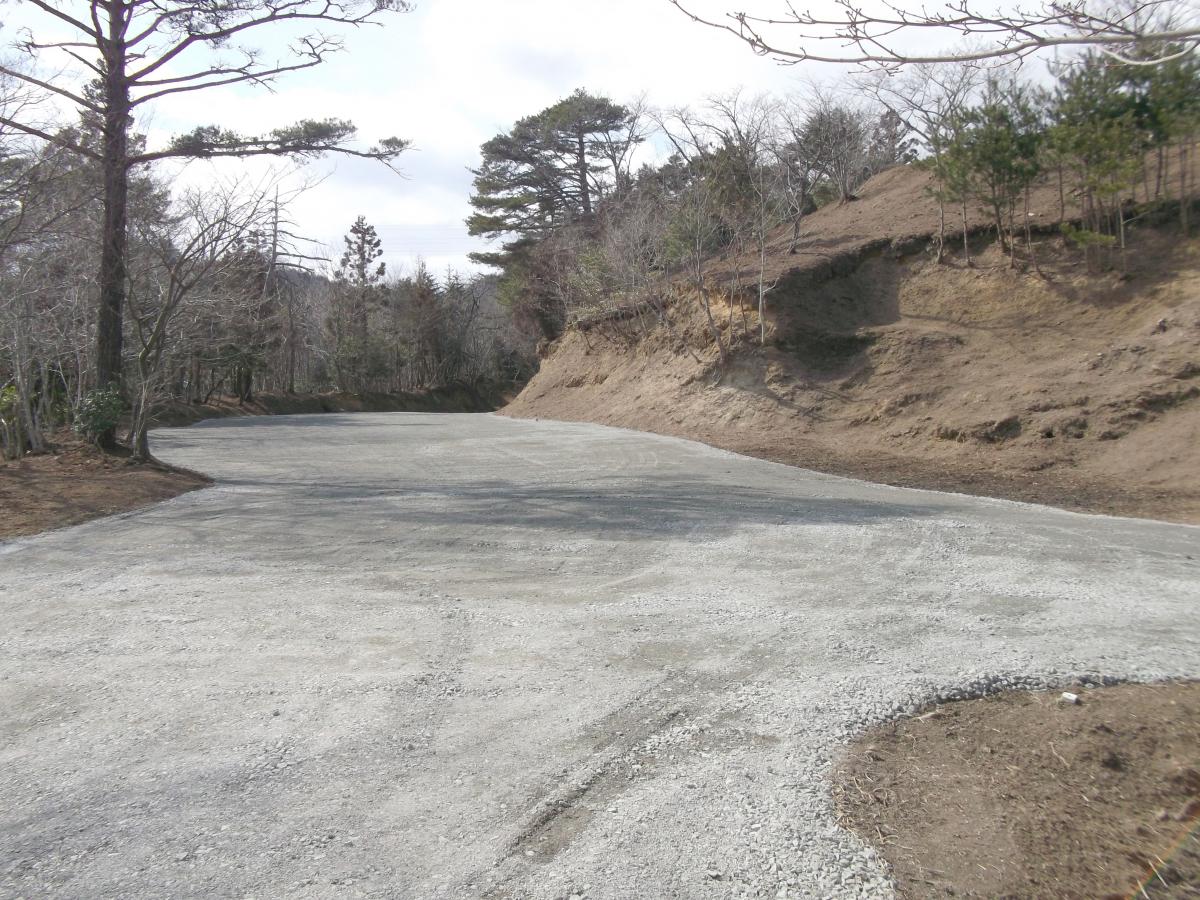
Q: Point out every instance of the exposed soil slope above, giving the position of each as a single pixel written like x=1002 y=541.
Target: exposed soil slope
x=1021 y=795
x=1076 y=390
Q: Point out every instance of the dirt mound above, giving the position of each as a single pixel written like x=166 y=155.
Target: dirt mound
x=1022 y=795
x=1056 y=386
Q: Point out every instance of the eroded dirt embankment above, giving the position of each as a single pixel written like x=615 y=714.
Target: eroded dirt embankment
x=1055 y=386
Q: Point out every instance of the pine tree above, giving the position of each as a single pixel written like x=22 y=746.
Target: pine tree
x=549 y=172
x=358 y=278
x=999 y=142
x=1096 y=134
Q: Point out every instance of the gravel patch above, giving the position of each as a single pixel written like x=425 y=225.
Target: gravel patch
x=401 y=655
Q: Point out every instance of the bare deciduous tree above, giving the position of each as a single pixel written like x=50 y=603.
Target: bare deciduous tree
x=929 y=99
x=185 y=256
x=886 y=35
x=798 y=164
x=745 y=131
x=836 y=137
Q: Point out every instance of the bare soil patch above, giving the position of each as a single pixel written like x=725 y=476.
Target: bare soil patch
x=1022 y=795
x=76 y=483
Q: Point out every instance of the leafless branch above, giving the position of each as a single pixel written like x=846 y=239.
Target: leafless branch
x=879 y=39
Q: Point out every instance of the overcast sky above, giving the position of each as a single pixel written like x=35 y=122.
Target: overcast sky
x=450 y=75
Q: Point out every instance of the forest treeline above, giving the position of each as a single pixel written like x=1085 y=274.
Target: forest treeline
x=584 y=229
x=223 y=298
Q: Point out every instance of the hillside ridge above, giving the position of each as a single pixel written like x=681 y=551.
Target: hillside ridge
x=1046 y=383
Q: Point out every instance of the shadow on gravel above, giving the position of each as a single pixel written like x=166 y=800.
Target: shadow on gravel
x=665 y=508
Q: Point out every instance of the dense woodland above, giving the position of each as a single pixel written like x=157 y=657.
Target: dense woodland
x=119 y=294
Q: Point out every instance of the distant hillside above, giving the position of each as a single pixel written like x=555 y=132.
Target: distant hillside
x=1062 y=387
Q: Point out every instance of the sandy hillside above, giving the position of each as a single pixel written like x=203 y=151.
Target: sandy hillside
x=1072 y=389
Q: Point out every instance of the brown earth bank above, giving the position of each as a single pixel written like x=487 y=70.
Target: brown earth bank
x=1049 y=384
x=1023 y=795
x=76 y=482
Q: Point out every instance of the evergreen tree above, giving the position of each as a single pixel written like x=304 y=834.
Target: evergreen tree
x=425 y=296
x=1099 y=134
x=998 y=144
x=892 y=142
x=358 y=277
x=549 y=172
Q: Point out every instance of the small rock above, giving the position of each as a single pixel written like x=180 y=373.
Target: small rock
x=1068 y=697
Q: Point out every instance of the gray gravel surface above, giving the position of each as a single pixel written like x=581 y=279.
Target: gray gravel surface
x=406 y=655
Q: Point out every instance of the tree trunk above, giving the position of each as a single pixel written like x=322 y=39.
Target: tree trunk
x=941 y=232
x=998 y=220
x=1012 y=238
x=697 y=263
x=195 y=395
x=139 y=438
x=1121 y=232
x=115 y=166
x=585 y=195
x=966 y=234
x=1184 y=200
x=1062 y=200
x=1029 y=236
x=762 y=279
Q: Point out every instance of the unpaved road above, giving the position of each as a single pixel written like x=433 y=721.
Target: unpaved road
x=396 y=655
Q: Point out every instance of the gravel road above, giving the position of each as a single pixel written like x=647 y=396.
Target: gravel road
x=408 y=656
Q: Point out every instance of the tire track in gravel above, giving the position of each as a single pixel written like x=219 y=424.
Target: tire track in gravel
x=622 y=743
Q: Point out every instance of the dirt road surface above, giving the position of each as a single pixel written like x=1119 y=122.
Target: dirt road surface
x=404 y=655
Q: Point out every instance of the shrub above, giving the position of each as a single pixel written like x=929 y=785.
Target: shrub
x=99 y=411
